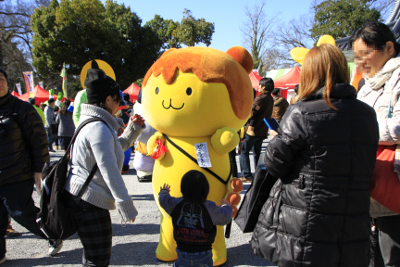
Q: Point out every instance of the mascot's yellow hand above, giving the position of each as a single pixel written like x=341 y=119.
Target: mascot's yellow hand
x=235 y=186
x=224 y=140
x=152 y=144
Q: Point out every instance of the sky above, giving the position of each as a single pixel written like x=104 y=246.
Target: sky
x=228 y=15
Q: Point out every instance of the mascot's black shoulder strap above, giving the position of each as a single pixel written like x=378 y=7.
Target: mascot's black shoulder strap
x=229 y=225
x=195 y=161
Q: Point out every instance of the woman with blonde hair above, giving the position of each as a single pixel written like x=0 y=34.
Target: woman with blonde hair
x=323 y=154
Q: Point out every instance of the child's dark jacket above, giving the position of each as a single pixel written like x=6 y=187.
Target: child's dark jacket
x=194 y=224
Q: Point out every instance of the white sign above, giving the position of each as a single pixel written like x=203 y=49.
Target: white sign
x=203 y=158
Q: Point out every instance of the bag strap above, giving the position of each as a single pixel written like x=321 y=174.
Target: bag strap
x=78 y=130
x=86 y=184
x=390 y=114
x=195 y=161
x=14 y=114
x=95 y=167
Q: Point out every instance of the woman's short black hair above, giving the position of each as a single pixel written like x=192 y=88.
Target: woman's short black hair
x=194 y=187
x=276 y=91
x=102 y=103
x=375 y=34
x=296 y=88
x=65 y=106
x=268 y=83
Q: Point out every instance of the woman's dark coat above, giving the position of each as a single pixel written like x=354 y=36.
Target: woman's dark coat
x=318 y=211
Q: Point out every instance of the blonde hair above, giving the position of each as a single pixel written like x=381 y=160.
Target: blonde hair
x=323 y=66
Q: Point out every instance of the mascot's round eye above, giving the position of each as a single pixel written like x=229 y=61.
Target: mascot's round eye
x=157 y=90
x=189 y=91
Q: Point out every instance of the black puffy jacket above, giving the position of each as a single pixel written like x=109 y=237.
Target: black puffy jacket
x=22 y=151
x=318 y=211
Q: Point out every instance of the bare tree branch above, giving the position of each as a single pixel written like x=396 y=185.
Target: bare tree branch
x=14 y=14
x=257 y=32
x=296 y=33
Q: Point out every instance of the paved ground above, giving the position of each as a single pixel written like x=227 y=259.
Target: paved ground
x=133 y=245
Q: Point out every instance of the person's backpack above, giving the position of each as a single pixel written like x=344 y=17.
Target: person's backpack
x=56 y=218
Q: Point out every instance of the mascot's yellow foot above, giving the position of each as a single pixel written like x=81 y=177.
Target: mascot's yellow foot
x=165 y=259
x=220 y=262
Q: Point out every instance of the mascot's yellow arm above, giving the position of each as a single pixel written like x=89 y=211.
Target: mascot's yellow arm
x=224 y=140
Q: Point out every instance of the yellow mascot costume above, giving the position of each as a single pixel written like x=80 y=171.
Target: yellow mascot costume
x=197 y=97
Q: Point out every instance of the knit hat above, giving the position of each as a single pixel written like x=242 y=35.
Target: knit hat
x=99 y=85
x=4 y=72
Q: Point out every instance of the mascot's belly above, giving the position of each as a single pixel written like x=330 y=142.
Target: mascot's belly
x=175 y=164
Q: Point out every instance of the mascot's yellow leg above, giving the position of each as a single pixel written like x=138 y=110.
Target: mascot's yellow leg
x=219 y=247
x=166 y=246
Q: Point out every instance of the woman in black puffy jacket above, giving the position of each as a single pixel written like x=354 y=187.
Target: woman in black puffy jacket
x=324 y=154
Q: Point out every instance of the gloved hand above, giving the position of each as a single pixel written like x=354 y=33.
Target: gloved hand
x=58 y=101
x=51 y=94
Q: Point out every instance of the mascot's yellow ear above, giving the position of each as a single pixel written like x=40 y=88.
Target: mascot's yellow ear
x=242 y=56
x=326 y=39
x=299 y=53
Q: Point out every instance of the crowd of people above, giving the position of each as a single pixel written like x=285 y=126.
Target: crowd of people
x=319 y=212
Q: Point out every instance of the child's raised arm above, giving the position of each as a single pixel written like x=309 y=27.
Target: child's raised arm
x=225 y=201
x=166 y=187
x=220 y=215
x=167 y=202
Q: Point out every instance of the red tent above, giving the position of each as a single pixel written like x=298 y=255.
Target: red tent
x=254 y=78
x=40 y=94
x=14 y=93
x=288 y=81
x=133 y=91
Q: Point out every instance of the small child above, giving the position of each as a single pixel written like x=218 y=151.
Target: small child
x=194 y=219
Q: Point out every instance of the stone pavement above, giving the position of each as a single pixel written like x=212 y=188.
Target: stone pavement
x=133 y=244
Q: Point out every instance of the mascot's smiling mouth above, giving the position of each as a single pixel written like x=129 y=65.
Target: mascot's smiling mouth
x=170 y=105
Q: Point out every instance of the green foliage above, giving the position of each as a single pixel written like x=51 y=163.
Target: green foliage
x=189 y=31
x=341 y=18
x=166 y=31
x=76 y=31
x=194 y=31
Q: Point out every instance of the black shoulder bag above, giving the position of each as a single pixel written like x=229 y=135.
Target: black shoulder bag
x=56 y=218
x=254 y=199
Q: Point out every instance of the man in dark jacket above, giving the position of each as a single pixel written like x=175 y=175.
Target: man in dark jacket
x=280 y=105
x=257 y=130
x=23 y=152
